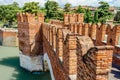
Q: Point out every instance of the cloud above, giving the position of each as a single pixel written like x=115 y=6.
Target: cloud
x=62 y=2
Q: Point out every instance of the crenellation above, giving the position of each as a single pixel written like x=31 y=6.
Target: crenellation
x=19 y=17
x=93 y=31
x=69 y=55
x=66 y=19
x=24 y=16
x=54 y=37
x=59 y=43
x=85 y=29
x=72 y=18
x=80 y=18
x=76 y=50
x=40 y=18
x=80 y=27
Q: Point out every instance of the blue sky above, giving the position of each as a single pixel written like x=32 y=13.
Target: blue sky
x=62 y=2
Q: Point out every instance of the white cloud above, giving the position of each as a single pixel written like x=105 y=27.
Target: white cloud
x=62 y=2
x=116 y=2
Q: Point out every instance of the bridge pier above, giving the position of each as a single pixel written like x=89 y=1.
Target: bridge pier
x=31 y=63
x=30 y=41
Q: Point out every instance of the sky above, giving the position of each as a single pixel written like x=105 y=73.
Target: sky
x=62 y=2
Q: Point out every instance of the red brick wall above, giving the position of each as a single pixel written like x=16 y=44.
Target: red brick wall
x=54 y=50
x=70 y=55
x=6 y=35
x=73 y=53
x=57 y=22
x=30 y=34
x=97 y=33
x=69 y=52
x=58 y=70
x=71 y=18
x=95 y=64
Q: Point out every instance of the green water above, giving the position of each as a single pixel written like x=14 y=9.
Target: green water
x=10 y=69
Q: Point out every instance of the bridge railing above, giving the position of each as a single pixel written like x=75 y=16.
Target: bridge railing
x=71 y=18
x=53 y=44
x=72 y=56
x=57 y=22
x=74 y=51
x=103 y=34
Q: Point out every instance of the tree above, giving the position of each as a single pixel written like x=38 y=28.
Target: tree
x=15 y=4
x=80 y=10
x=31 y=7
x=117 y=17
x=88 y=16
x=95 y=17
x=60 y=15
x=103 y=12
x=8 y=13
x=51 y=9
x=67 y=7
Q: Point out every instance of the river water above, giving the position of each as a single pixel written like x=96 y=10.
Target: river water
x=11 y=70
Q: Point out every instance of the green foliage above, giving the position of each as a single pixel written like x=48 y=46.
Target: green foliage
x=117 y=17
x=31 y=7
x=15 y=4
x=80 y=10
x=8 y=13
x=88 y=16
x=43 y=10
x=103 y=12
x=95 y=20
x=52 y=10
x=67 y=7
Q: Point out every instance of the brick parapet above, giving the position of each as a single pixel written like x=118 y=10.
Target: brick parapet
x=71 y=18
x=95 y=64
x=75 y=50
x=57 y=23
x=73 y=55
x=70 y=56
x=102 y=34
x=30 y=34
x=58 y=70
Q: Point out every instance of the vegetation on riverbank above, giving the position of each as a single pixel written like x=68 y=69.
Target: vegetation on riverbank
x=52 y=10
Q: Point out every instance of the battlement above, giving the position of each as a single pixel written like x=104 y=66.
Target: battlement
x=57 y=22
x=26 y=17
x=76 y=50
x=72 y=48
x=71 y=18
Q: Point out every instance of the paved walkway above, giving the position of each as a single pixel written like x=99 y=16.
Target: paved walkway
x=115 y=73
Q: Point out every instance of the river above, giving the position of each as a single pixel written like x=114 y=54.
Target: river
x=11 y=70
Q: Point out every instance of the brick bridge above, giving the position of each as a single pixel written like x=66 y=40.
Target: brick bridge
x=71 y=50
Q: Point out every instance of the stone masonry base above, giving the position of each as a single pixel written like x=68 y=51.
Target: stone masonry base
x=31 y=63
